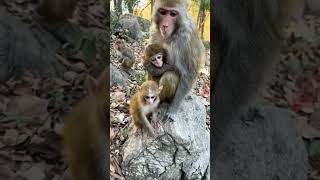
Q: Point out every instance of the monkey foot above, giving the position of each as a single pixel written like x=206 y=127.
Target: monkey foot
x=156 y=123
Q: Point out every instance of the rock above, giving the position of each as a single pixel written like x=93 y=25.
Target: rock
x=180 y=151
x=25 y=47
x=294 y=66
x=314 y=154
x=131 y=23
x=313 y=7
x=144 y=23
x=118 y=77
x=266 y=146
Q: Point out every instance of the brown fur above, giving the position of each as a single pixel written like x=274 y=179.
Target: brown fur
x=85 y=134
x=139 y=109
x=155 y=73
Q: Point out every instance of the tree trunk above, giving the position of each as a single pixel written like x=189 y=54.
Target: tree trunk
x=152 y=2
x=199 y=13
x=202 y=23
x=119 y=7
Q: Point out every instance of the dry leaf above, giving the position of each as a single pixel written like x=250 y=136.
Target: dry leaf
x=28 y=106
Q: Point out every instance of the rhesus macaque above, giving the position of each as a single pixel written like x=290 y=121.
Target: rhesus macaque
x=173 y=27
x=55 y=11
x=156 y=55
x=246 y=36
x=85 y=133
x=127 y=57
x=144 y=103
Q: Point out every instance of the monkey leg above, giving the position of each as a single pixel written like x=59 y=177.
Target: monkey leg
x=169 y=80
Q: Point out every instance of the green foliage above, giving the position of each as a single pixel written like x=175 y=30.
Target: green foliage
x=131 y=4
x=114 y=21
x=205 y=5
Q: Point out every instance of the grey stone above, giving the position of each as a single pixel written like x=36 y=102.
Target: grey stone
x=180 y=151
x=266 y=146
x=118 y=77
x=131 y=23
x=313 y=7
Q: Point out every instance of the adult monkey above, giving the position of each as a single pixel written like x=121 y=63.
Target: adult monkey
x=173 y=27
x=247 y=35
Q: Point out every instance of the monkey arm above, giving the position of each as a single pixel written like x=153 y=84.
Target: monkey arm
x=155 y=71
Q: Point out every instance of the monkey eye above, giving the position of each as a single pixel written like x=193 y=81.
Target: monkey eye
x=162 y=12
x=173 y=13
x=159 y=57
x=150 y=97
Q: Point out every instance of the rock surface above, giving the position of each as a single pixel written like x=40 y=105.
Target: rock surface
x=266 y=146
x=131 y=23
x=118 y=77
x=313 y=7
x=23 y=47
x=180 y=151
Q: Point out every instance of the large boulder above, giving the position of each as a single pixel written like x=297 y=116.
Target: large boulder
x=118 y=77
x=25 y=47
x=130 y=22
x=144 y=23
x=313 y=7
x=265 y=145
x=180 y=151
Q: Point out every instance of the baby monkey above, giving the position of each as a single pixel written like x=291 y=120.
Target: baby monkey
x=143 y=104
x=126 y=55
x=156 y=60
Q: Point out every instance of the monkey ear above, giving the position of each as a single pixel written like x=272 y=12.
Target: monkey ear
x=91 y=84
x=102 y=80
x=160 y=89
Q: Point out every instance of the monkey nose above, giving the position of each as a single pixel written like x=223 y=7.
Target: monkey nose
x=164 y=27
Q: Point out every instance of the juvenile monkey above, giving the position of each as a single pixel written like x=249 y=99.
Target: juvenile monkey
x=157 y=56
x=144 y=103
x=127 y=57
x=85 y=133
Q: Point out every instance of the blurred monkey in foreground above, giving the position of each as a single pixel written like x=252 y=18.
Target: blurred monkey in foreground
x=85 y=132
x=246 y=37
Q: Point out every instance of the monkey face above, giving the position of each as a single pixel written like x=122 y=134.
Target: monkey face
x=149 y=99
x=157 y=60
x=168 y=17
x=119 y=44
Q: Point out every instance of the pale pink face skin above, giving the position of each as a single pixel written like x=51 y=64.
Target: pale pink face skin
x=168 y=17
x=150 y=98
x=157 y=60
